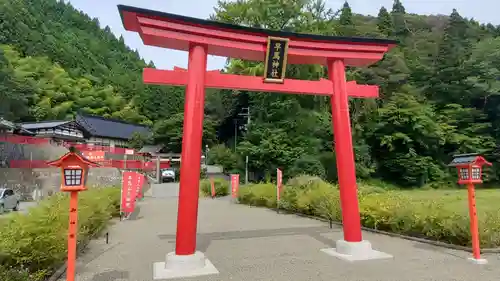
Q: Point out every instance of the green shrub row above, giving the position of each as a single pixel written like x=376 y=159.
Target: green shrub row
x=36 y=243
x=387 y=210
x=221 y=187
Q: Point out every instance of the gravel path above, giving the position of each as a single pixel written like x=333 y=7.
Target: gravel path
x=246 y=243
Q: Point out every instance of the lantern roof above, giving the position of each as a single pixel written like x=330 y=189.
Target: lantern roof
x=72 y=155
x=468 y=159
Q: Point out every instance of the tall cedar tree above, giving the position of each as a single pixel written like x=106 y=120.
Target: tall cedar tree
x=346 y=22
x=384 y=22
x=448 y=83
x=398 y=18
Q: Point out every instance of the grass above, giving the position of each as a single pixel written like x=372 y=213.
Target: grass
x=434 y=214
x=456 y=200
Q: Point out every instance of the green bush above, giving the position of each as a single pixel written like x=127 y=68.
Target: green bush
x=263 y=194
x=221 y=187
x=11 y=274
x=37 y=241
x=437 y=216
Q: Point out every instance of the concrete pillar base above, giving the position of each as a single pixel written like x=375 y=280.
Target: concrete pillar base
x=477 y=261
x=355 y=251
x=176 y=266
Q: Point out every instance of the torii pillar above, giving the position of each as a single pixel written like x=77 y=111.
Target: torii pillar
x=277 y=49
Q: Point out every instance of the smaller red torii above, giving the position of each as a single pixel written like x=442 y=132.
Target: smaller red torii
x=216 y=80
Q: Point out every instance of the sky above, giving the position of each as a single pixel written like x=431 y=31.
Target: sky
x=485 y=11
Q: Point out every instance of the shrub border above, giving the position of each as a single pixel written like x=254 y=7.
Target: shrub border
x=392 y=234
x=80 y=249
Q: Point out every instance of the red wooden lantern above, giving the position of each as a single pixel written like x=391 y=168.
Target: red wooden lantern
x=469 y=167
x=74 y=171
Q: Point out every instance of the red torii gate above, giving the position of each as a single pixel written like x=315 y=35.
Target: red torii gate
x=276 y=48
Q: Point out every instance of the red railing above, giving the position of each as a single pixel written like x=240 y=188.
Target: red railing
x=23 y=139
x=120 y=164
x=86 y=147
x=18 y=139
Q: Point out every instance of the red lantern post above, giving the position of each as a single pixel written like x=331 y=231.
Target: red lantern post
x=469 y=167
x=74 y=169
x=212 y=187
x=279 y=180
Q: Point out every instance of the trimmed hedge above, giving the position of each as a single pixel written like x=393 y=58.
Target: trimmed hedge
x=36 y=242
x=221 y=187
x=395 y=211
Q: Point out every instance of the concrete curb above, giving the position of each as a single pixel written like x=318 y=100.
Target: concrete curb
x=411 y=238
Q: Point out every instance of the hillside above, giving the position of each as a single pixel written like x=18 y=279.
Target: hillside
x=438 y=89
x=77 y=43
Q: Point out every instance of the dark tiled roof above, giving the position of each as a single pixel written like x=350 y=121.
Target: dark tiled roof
x=98 y=126
x=464 y=159
x=43 y=125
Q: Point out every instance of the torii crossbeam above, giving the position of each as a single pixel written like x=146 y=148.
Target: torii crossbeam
x=216 y=80
x=276 y=49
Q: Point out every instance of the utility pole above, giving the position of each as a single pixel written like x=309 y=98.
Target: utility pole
x=247 y=115
x=246 y=169
x=206 y=153
x=235 y=133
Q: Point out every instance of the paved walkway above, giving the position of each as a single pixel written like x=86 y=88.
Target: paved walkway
x=247 y=243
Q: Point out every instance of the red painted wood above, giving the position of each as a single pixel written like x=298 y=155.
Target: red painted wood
x=216 y=80
x=167 y=33
x=194 y=104
x=252 y=51
x=249 y=37
x=203 y=38
x=176 y=68
x=346 y=169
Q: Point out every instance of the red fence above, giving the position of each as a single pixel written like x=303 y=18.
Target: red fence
x=18 y=139
x=121 y=164
x=23 y=139
x=86 y=147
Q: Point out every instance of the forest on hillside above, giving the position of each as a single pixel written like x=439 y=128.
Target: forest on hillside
x=439 y=89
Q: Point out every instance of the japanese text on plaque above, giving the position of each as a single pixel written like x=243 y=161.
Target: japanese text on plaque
x=276 y=57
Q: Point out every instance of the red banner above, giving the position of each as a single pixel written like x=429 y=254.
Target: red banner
x=129 y=183
x=279 y=183
x=212 y=187
x=235 y=181
x=140 y=183
x=95 y=156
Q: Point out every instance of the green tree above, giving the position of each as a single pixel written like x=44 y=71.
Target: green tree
x=406 y=137
x=438 y=88
x=398 y=14
x=225 y=157
x=448 y=83
x=138 y=141
x=168 y=132
x=384 y=22
x=397 y=7
x=346 y=22
x=14 y=97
